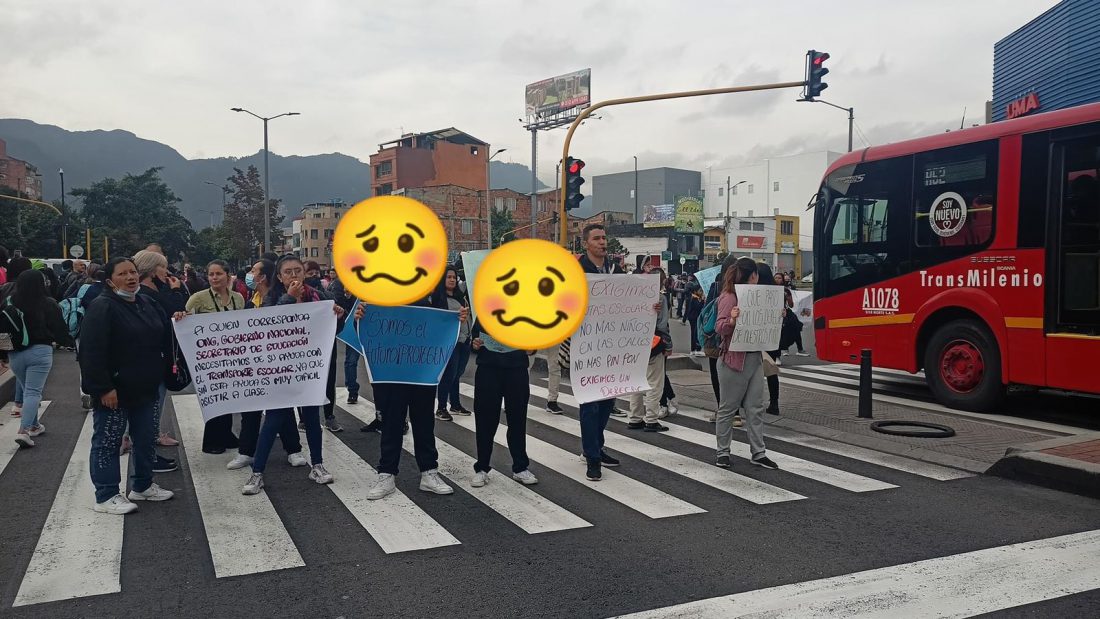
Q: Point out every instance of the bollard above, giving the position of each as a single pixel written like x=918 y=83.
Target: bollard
x=865 y=383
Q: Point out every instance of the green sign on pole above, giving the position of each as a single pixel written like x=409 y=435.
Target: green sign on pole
x=689 y=215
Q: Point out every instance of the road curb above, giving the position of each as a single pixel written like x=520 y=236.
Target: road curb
x=7 y=387
x=1028 y=463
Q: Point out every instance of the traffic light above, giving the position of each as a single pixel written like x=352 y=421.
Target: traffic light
x=815 y=70
x=573 y=182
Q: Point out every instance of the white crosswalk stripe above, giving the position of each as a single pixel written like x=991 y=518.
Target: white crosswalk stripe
x=9 y=427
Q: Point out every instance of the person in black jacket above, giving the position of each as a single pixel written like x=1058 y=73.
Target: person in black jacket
x=122 y=363
x=347 y=301
x=501 y=376
x=31 y=364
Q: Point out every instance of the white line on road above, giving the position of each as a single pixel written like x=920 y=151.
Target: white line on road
x=79 y=551
x=790 y=464
x=961 y=585
x=245 y=533
x=9 y=427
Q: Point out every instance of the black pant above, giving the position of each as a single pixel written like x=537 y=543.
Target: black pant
x=668 y=393
x=695 y=334
x=680 y=305
x=330 y=386
x=415 y=402
x=714 y=378
x=773 y=385
x=491 y=385
x=218 y=435
x=250 y=434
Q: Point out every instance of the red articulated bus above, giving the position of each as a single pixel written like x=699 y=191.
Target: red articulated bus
x=973 y=255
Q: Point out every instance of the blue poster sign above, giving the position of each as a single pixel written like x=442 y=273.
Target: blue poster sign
x=409 y=345
x=706 y=277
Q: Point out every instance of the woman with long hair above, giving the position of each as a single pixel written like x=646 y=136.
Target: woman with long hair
x=218 y=435
x=452 y=374
x=713 y=353
x=123 y=346
x=31 y=365
x=15 y=266
x=288 y=289
x=740 y=374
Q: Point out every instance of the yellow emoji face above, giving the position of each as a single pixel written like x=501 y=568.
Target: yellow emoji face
x=389 y=250
x=530 y=294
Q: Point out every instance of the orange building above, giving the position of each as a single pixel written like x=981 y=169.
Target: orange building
x=19 y=175
x=415 y=160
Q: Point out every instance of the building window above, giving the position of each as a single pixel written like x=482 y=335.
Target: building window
x=498 y=204
x=385 y=190
x=511 y=204
x=328 y=233
x=313 y=234
x=316 y=215
x=744 y=225
x=750 y=188
x=467 y=227
x=757 y=226
x=383 y=169
x=786 y=227
x=775 y=186
x=720 y=191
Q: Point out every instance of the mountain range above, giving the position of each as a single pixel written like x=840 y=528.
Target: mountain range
x=90 y=156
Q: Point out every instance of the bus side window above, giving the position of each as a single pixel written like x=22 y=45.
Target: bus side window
x=954 y=196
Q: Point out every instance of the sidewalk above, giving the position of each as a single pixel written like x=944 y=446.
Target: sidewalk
x=1069 y=463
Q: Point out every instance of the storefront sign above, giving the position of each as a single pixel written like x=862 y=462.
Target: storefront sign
x=689 y=215
x=1024 y=105
x=750 y=242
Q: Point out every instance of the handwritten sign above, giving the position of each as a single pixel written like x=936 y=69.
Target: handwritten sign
x=803 y=305
x=610 y=351
x=409 y=345
x=706 y=277
x=761 y=320
x=350 y=334
x=471 y=262
x=259 y=359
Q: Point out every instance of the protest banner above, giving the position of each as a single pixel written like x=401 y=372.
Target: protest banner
x=610 y=350
x=409 y=345
x=803 y=305
x=259 y=359
x=471 y=262
x=706 y=277
x=761 y=320
x=349 y=334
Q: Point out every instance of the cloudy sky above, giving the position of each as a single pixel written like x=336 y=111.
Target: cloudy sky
x=363 y=72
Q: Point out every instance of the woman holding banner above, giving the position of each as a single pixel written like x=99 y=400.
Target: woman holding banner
x=218 y=435
x=288 y=289
x=740 y=374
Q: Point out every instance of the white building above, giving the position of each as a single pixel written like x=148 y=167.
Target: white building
x=784 y=183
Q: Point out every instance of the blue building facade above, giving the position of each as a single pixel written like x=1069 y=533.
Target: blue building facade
x=1051 y=63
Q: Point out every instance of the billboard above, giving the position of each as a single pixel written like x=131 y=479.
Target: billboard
x=750 y=242
x=659 y=216
x=689 y=215
x=558 y=94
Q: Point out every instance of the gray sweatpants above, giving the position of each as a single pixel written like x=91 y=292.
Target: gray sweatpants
x=741 y=390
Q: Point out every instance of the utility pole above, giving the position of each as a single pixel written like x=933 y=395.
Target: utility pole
x=534 y=180
x=64 y=218
x=267 y=177
x=851 y=118
x=635 y=188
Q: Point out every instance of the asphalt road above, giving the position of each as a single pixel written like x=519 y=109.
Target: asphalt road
x=635 y=556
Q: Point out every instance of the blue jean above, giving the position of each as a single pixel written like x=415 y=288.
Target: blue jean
x=594 y=418
x=31 y=368
x=452 y=376
x=275 y=420
x=18 y=391
x=108 y=426
x=351 y=370
x=161 y=392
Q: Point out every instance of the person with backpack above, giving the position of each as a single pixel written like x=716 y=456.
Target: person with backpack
x=740 y=374
x=123 y=359
x=32 y=321
x=15 y=266
x=691 y=314
x=709 y=339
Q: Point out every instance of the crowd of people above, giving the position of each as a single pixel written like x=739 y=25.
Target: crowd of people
x=118 y=317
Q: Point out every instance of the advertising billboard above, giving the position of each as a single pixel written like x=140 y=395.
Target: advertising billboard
x=659 y=216
x=689 y=215
x=558 y=94
x=750 y=242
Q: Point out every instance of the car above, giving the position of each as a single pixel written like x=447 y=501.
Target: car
x=809 y=279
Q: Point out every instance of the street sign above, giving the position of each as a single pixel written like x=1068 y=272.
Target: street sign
x=683 y=260
x=666 y=256
x=76 y=251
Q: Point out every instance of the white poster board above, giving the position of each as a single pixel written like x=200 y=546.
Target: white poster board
x=761 y=320
x=471 y=262
x=609 y=353
x=803 y=305
x=259 y=359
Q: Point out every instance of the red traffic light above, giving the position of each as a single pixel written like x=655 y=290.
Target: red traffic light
x=575 y=166
x=821 y=58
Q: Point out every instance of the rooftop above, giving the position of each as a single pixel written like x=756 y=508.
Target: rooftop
x=424 y=140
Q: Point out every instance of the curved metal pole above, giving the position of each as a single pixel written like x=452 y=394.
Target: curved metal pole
x=671 y=95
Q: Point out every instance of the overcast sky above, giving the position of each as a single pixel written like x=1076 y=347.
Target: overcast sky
x=363 y=72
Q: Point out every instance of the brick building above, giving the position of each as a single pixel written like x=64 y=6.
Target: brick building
x=444 y=157
x=19 y=175
x=314 y=229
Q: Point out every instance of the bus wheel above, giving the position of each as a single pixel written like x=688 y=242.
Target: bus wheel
x=962 y=366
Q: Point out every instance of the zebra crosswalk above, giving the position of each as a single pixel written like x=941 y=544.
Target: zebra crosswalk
x=888 y=385
x=79 y=553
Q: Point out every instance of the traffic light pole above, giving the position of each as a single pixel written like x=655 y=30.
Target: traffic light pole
x=660 y=97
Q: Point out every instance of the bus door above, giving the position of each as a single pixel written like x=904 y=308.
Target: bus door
x=1072 y=319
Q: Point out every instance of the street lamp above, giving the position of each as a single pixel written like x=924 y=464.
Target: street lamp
x=267 y=179
x=64 y=218
x=729 y=187
x=488 y=198
x=635 y=188
x=225 y=190
x=851 y=118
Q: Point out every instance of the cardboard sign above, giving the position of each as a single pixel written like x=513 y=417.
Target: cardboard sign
x=803 y=305
x=409 y=345
x=609 y=353
x=259 y=359
x=471 y=262
x=761 y=320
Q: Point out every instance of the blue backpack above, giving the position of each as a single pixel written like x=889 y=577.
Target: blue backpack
x=707 y=333
x=72 y=310
x=13 y=328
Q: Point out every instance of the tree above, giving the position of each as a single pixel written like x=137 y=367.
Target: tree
x=211 y=243
x=502 y=222
x=615 y=247
x=137 y=210
x=243 y=228
x=34 y=229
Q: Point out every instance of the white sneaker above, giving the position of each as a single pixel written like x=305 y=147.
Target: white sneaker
x=779 y=361
x=254 y=484
x=662 y=412
x=786 y=353
x=24 y=440
x=36 y=430
x=430 y=481
x=525 y=477
x=384 y=486
x=480 y=479
x=802 y=353
x=239 y=462
x=117 y=505
x=297 y=459
x=673 y=408
x=320 y=475
x=152 y=493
